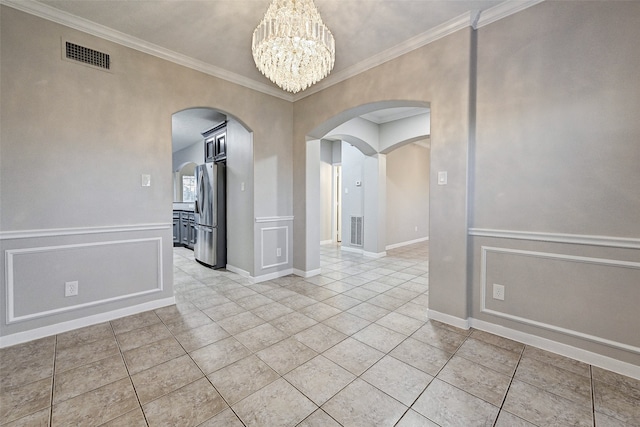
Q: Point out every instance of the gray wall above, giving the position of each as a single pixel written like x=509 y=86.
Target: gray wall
x=240 y=196
x=542 y=166
x=407 y=194
x=184 y=163
x=558 y=159
x=370 y=169
x=442 y=72
x=193 y=153
x=74 y=143
x=352 y=195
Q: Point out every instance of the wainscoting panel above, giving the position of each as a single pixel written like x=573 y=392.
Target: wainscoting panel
x=106 y=271
x=273 y=243
x=274 y=246
x=586 y=297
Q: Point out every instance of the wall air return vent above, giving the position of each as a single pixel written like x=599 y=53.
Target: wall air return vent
x=87 y=56
x=356 y=231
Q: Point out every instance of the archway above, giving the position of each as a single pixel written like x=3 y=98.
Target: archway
x=374 y=138
x=188 y=125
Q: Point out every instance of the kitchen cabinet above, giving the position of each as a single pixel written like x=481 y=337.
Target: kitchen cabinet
x=192 y=233
x=176 y=228
x=184 y=229
x=215 y=144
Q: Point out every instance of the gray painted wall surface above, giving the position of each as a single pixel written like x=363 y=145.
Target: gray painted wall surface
x=558 y=151
x=240 y=196
x=374 y=185
x=557 y=101
x=193 y=153
x=442 y=70
x=74 y=142
x=411 y=129
x=352 y=195
x=407 y=194
x=184 y=164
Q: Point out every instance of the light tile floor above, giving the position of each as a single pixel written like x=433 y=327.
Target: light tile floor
x=350 y=347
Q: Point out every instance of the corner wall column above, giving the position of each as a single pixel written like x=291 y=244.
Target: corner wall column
x=375 y=205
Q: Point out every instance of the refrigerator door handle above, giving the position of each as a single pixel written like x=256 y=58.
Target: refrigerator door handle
x=199 y=192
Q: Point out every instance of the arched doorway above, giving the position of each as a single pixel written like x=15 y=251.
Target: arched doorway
x=188 y=125
x=370 y=132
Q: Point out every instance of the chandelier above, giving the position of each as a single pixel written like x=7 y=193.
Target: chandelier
x=291 y=46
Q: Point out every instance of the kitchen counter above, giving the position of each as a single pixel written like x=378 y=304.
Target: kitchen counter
x=183 y=207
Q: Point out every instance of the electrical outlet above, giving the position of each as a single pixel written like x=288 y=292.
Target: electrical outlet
x=416 y=228
x=71 y=289
x=498 y=292
x=279 y=252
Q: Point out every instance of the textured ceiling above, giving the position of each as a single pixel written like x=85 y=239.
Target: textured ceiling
x=218 y=32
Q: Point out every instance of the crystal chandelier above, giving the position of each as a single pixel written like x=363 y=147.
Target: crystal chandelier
x=291 y=46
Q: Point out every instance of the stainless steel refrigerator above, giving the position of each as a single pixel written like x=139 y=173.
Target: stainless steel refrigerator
x=210 y=215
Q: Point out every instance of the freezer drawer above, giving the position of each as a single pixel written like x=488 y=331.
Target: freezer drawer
x=204 y=250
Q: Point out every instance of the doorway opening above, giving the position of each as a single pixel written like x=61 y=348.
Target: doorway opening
x=378 y=180
x=190 y=129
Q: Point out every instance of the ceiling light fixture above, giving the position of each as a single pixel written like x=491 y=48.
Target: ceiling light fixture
x=291 y=46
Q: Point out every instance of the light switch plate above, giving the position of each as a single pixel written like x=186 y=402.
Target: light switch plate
x=442 y=178
x=146 y=180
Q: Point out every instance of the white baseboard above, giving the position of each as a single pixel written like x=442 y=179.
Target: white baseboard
x=363 y=252
x=58 y=328
x=257 y=279
x=240 y=272
x=448 y=319
x=374 y=254
x=326 y=242
x=582 y=355
x=589 y=357
x=306 y=274
x=407 y=243
x=272 y=276
x=350 y=249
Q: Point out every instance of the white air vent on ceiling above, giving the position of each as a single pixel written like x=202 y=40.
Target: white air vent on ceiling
x=87 y=56
x=356 y=231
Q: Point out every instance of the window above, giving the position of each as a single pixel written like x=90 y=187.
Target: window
x=188 y=188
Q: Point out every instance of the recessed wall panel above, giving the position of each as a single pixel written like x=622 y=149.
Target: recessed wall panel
x=275 y=246
x=105 y=271
x=577 y=295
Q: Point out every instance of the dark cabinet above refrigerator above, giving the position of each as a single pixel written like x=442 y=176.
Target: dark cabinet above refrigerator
x=215 y=144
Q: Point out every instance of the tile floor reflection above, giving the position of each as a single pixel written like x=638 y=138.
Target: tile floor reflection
x=348 y=348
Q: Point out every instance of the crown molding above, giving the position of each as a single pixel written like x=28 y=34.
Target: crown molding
x=474 y=19
x=55 y=15
x=503 y=10
x=463 y=21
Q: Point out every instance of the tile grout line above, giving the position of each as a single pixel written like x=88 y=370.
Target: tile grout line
x=126 y=367
x=513 y=376
x=593 y=395
x=53 y=377
x=197 y=366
